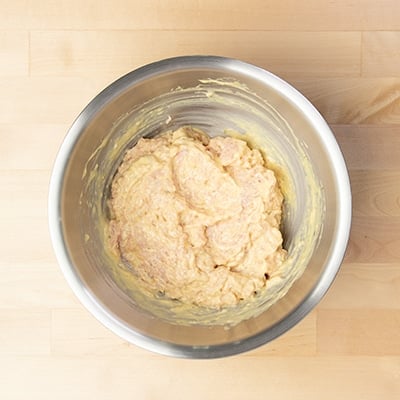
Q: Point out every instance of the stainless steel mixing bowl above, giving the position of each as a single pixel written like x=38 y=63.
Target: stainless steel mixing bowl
x=214 y=94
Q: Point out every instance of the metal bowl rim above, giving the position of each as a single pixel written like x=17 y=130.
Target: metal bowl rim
x=55 y=199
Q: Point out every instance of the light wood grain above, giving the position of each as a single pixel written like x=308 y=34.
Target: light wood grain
x=34 y=284
x=149 y=377
x=14 y=50
x=365 y=286
x=57 y=55
x=375 y=193
x=370 y=147
x=354 y=100
x=25 y=240
x=74 y=332
x=300 y=341
x=278 y=15
x=381 y=53
x=350 y=332
x=45 y=100
x=24 y=194
x=25 y=333
x=111 y=53
x=22 y=145
x=374 y=240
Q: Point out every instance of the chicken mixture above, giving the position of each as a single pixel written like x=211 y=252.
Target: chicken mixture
x=197 y=218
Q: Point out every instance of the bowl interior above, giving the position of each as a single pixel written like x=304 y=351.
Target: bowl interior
x=219 y=98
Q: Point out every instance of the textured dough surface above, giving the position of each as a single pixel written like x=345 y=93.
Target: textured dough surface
x=197 y=218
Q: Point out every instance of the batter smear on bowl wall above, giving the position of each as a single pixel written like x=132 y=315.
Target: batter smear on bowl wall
x=197 y=219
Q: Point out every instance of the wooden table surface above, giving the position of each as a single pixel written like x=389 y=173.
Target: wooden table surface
x=344 y=55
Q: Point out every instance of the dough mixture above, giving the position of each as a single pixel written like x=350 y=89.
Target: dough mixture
x=197 y=218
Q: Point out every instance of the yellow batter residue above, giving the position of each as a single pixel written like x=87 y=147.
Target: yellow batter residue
x=197 y=218
x=241 y=114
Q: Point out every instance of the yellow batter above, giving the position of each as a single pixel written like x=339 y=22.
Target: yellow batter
x=197 y=219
